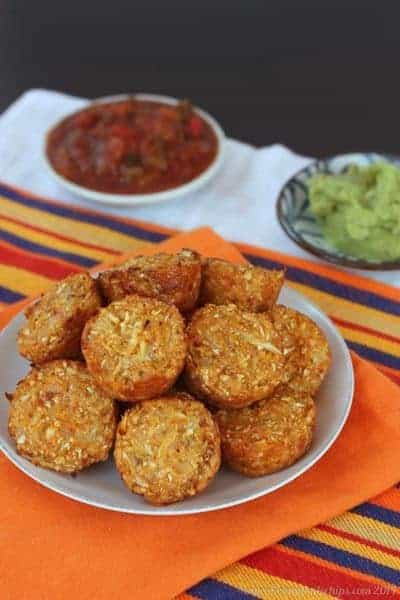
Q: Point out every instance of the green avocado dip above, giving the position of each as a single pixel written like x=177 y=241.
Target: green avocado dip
x=359 y=210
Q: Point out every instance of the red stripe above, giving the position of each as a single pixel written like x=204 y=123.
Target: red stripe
x=391 y=373
x=59 y=236
x=324 y=578
x=22 y=259
x=356 y=538
x=358 y=327
x=394 y=378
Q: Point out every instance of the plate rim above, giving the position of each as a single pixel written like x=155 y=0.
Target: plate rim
x=159 y=511
x=138 y=199
x=335 y=259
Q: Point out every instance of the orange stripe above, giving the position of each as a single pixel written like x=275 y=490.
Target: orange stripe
x=357 y=281
x=10 y=310
x=356 y=538
x=59 y=236
x=390 y=499
x=394 y=378
x=388 y=371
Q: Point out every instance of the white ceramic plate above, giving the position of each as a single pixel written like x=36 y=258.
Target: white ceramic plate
x=134 y=199
x=101 y=485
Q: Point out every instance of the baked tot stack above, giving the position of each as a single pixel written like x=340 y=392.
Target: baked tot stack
x=198 y=355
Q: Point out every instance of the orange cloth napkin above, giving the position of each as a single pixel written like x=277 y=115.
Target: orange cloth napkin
x=53 y=547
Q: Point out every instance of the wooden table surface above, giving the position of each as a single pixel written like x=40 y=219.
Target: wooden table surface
x=319 y=76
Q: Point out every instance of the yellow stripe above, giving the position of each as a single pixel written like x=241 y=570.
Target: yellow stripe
x=371 y=341
x=266 y=586
x=358 y=548
x=22 y=281
x=350 y=311
x=51 y=242
x=367 y=528
x=81 y=231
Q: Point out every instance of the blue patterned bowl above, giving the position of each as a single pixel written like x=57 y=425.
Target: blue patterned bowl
x=296 y=219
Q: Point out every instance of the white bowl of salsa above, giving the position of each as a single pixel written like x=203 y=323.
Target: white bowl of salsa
x=134 y=149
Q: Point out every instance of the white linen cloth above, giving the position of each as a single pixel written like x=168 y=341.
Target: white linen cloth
x=239 y=203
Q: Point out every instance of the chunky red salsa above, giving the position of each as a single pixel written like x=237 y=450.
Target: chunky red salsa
x=132 y=146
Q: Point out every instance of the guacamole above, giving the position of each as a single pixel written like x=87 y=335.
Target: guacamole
x=359 y=210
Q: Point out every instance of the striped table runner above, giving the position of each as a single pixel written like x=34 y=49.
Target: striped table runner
x=353 y=555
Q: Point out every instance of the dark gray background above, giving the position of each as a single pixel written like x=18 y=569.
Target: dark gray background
x=321 y=76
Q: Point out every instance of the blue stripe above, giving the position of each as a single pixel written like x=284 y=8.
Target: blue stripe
x=373 y=511
x=210 y=589
x=343 y=558
x=347 y=292
x=95 y=219
x=378 y=356
x=26 y=244
x=8 y=296
x=293 y=273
